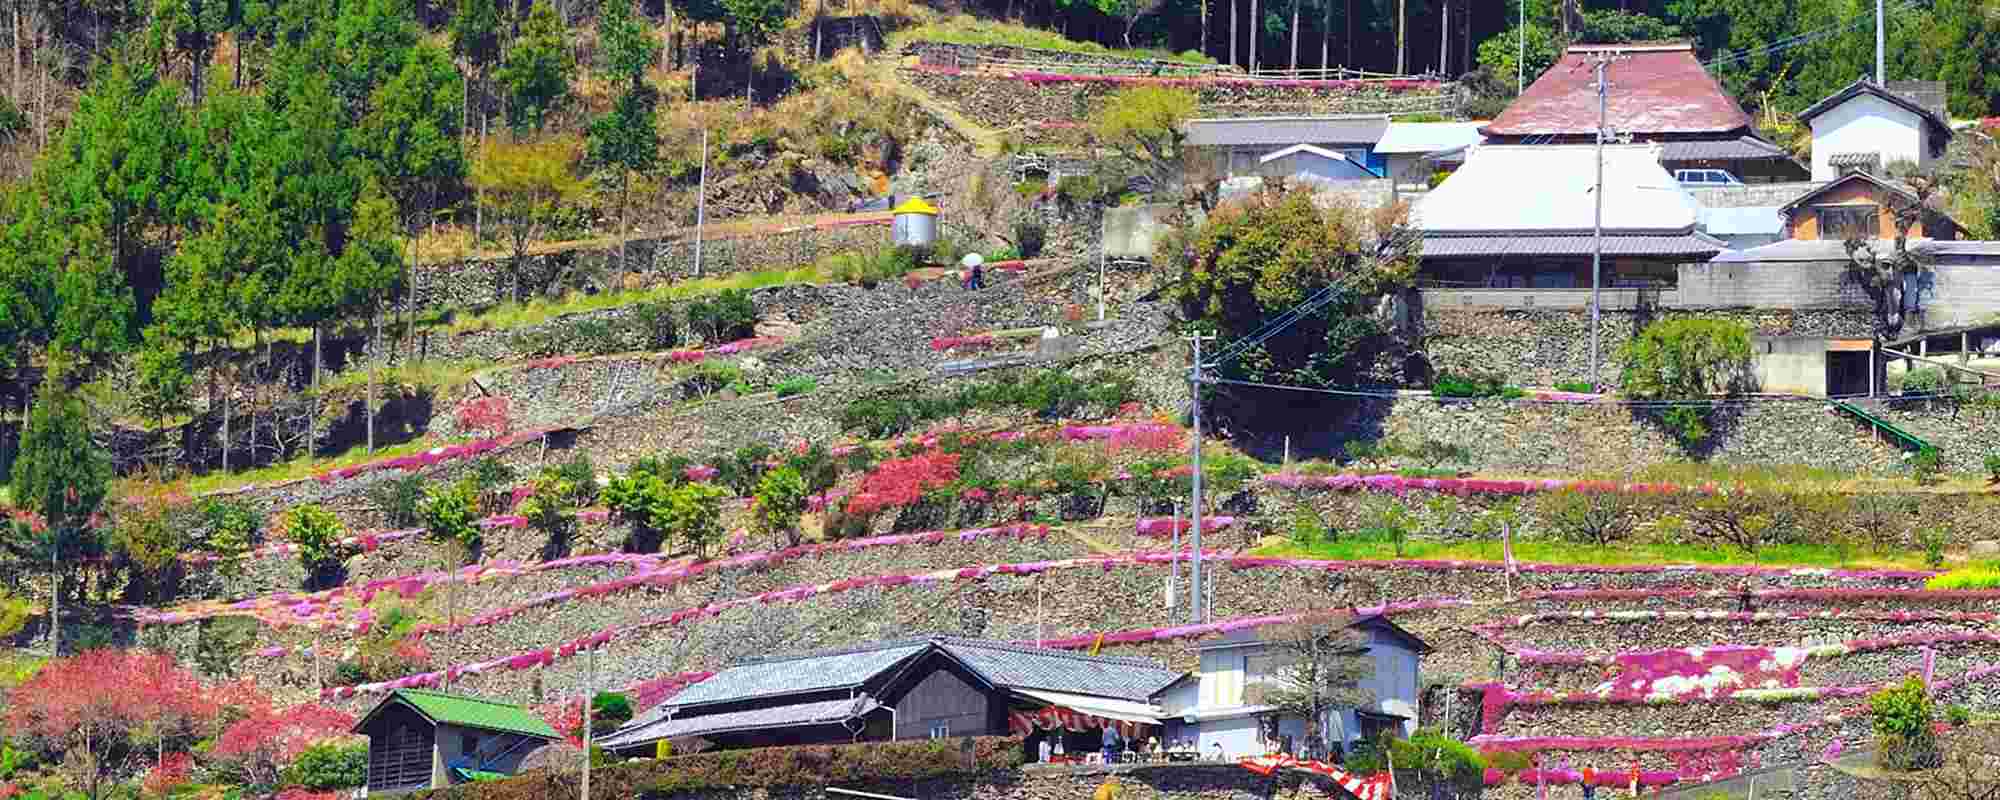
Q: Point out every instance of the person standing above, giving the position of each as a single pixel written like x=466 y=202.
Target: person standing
x=1110 y=744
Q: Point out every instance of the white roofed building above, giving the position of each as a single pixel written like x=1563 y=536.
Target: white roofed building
x=1522 y=216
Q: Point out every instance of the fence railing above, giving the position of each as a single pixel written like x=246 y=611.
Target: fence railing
x=1336 y=74
x=956 y=58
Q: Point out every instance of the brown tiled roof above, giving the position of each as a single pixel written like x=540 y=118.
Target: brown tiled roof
x=1654 y=89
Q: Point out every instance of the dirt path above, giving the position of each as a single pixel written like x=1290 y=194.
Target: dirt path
x=985 y=141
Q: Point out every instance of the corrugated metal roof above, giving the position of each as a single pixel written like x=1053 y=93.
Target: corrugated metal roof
x=1742 y=221
x=1549 y=189
x=1280 y=131
x=1694 y=245
x=656 y=727
x=1740 y=148
x=802 y=673
x=1003 y=664
x=471 y=712
x=1659 y=90
x=1428 y=137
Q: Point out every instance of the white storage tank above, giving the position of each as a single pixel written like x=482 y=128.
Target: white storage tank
x=915 y=223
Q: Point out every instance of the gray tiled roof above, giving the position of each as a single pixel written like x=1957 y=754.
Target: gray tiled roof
x=1736 y=149
x=1282 y=131
x=654 y=726
x=1696 y=245
x=1004 y=664
x=801 y=673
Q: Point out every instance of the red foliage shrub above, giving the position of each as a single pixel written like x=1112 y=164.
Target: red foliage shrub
x=173 y=772
x=903 y=481
x=269 y=738
x=302 y=793
x=488 y=414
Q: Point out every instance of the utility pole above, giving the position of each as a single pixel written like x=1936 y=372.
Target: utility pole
x=1402 y=34
x=1194 y=508
x=1603 y=60
x=1881 y=76
x=1103 y=227
x=1174 y=560
x=701 y=203
x=589 y=689
x=1444 y=38
x=1521 y=58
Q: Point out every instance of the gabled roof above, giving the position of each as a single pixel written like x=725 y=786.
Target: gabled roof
x=1281 y=131
x=1852 y=177
x=1939 y=125
x=464 y=711
x=1382 y=624
x=1303 y=148
x=1340 y=163
x=1000 y=664
x=1742 y=148
x=1549 y=190
x=1660 y=88
x=1428 y=137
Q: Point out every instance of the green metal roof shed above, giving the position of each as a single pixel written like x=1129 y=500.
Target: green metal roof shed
x=421 y=739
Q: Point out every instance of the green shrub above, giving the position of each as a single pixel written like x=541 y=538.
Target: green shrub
x=14 y=614
x=608 y=710
x=1307 y=529
x=317 y=532
x=1925 y=380
x=792 y=387
x=1579 y=387
x=1993 y=467
x=780 y=499
x=725 y=317
x=710 y=377
x=1030 y=238
x=1927 y=466
x=1932 y=540
x=1443 y=758
x=1080 y=188
x=493 y=480
x=594 y=336
x=1901 y=715
x=1373 y=451
x=1958 y=715
x=1032 y=188
x=330 y=765
x=742 y=469
x=653 y=325
x=1688 y=360
x=451 y=513
x=1449 y=384
x=399 y=499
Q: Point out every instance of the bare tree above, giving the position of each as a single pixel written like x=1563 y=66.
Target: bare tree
x=1971 y=768
x=1885 y=276
x=1321 y=661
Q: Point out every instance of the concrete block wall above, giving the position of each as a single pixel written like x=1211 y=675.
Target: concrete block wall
x=1768 y=285
x=1753 y=195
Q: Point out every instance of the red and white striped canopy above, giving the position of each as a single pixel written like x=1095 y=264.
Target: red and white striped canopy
x=1023 y=723
x=1374 y=787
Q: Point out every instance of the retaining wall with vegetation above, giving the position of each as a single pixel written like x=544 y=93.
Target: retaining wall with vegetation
x=1007 y=100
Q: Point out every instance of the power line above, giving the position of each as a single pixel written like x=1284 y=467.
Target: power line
x=1805 y=38
x=1380 y=394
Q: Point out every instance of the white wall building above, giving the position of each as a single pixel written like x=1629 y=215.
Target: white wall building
x=1218 y=709
x=1867 y=127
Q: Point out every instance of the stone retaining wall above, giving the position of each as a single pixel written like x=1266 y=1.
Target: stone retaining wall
x=1541 y=347
x=1005 y=101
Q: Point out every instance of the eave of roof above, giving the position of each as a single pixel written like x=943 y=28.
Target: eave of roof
x=1693 y=245
x=464 y=711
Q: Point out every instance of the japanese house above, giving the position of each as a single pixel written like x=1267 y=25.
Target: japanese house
x=1413 y=152
x=1484 y=229
x=937 y=687
x=1221 y=709
x=1860 y=205
x=1866 y=127
x=419 y=739
x=1659 y=94
x=1239 y=145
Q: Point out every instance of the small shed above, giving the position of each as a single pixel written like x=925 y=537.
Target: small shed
x=420 y=739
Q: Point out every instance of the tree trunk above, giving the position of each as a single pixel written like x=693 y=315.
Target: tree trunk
x=1235 y=11
x=312 y=421
x=1256 y=32
x=1349 y=61
x=1204 y=25
x=237 y=40
x=1295 y=38
x=1402 y=35
x=1326 y=36
x=1444 y=38
x=374 y=357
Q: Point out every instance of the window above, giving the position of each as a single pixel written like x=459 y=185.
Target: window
x=941 y=730
x=471 y=744
x=1841 y=223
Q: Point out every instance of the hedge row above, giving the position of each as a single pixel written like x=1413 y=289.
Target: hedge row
x=770 y=768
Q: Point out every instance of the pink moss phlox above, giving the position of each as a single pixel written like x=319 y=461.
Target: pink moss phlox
x=1163 y=527
x=948 y=343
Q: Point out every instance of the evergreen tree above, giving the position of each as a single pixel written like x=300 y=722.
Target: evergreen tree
x=537 y=69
